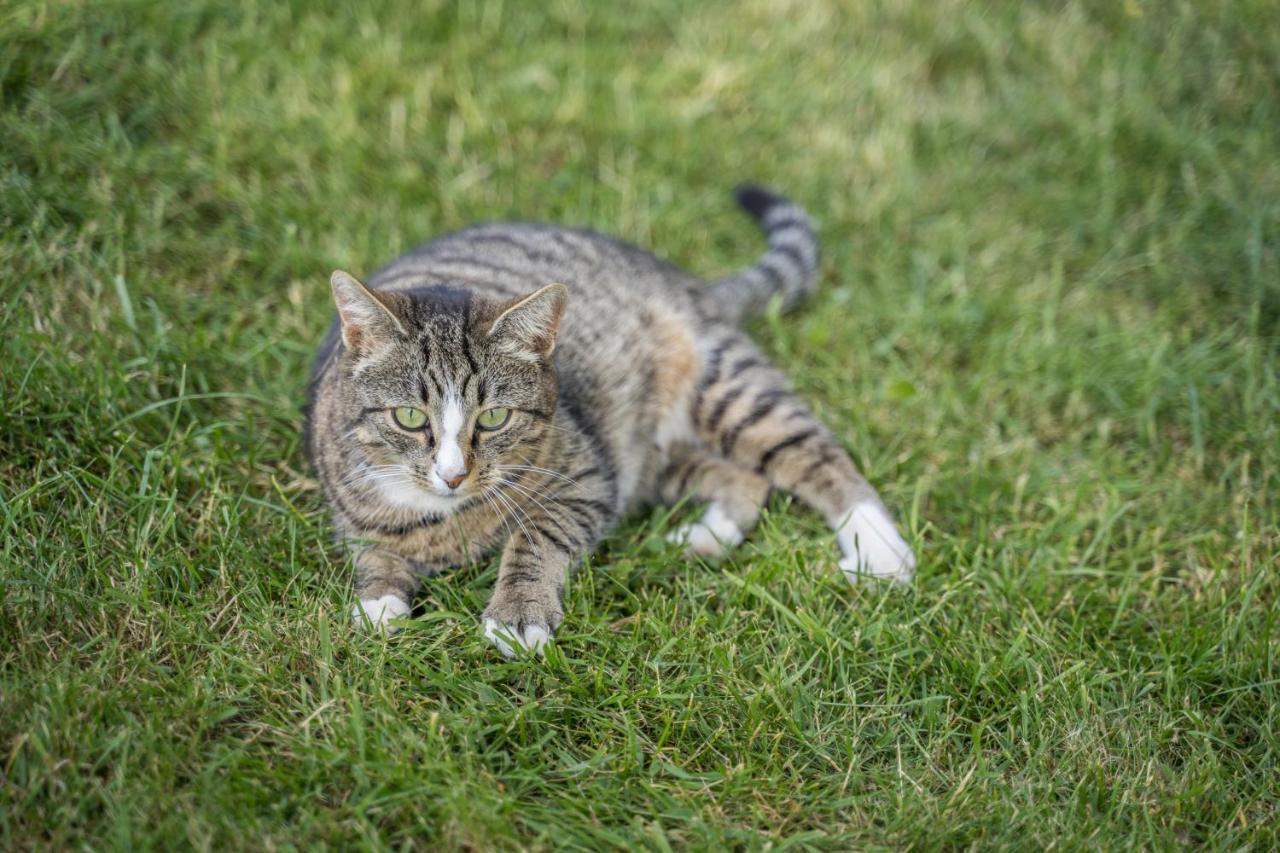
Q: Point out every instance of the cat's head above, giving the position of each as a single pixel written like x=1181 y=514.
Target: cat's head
x=454 y=390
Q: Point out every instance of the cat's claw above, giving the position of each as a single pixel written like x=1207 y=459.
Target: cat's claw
x=511 y=640
x=378 y=613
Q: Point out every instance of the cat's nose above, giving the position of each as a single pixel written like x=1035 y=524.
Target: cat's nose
x=454 y=482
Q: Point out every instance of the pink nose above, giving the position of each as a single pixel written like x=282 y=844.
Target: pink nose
x=454 y=482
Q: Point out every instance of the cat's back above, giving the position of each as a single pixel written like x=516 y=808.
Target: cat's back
x=512 y=258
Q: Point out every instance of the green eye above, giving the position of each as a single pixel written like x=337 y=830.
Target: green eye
x=491 y=419
x=410 y=418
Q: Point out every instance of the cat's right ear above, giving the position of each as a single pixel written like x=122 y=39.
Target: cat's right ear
x=368 y=322
x=527 y=328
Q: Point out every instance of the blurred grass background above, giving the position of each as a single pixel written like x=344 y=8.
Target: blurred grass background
x=1047 y=329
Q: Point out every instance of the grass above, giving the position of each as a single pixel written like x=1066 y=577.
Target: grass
x=1047 y=330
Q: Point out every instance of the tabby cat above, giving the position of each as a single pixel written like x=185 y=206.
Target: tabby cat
x=521 y=387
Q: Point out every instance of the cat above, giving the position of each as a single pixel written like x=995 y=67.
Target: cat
x=521 y=387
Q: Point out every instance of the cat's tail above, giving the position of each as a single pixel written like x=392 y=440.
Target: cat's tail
x=788 y=268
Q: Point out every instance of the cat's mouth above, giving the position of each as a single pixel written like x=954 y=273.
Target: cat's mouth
x=457 y=494
x=412 y=491
x=440 y=489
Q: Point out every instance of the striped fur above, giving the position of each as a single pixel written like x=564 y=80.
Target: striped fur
x=789 y=269
x=627 y=382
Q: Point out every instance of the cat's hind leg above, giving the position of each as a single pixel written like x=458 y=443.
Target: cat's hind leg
x=732 y=493
x=747 y=412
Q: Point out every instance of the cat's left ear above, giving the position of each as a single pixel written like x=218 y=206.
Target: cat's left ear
x=527 y=329
x=367 y=321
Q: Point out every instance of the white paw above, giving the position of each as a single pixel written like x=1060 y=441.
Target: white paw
x=711 y=536
x=873 y=547
x=508 y=639
x=379 y=612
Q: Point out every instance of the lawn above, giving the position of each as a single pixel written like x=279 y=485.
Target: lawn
x=1048 y=328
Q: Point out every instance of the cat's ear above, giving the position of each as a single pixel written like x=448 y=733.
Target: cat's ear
x=367 y=321
x=527 y=328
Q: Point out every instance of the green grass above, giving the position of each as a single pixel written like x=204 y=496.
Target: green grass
x=1047 y=329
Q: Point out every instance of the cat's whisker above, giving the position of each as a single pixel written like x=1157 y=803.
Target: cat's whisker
x=516 y=504
x=517 y=512
x=533 y=496
x=525 y=487
x=502 y=516
x=543 y=506
x=394 y=483
x=397 y=473
x=364 y=470
x=539 y=470
x=540 y=477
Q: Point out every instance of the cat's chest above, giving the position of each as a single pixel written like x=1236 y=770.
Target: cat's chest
x=456 y=539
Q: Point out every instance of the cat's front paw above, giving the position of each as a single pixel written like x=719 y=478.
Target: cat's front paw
x=873 y=547
x=516 y=625
x=378 y=613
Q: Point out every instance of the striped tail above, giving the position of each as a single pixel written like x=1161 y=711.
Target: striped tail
x=789 y=267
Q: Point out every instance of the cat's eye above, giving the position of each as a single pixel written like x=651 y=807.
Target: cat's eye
x=491 y=419
x=408 y=417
